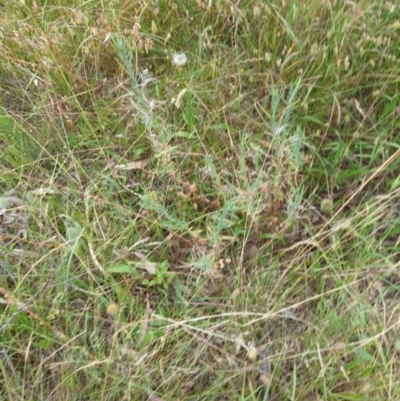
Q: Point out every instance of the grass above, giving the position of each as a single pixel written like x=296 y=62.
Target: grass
x=224 y=229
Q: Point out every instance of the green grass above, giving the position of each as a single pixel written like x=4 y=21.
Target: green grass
x=227 y=229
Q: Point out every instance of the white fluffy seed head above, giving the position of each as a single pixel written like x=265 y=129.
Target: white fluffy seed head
x=179 y=59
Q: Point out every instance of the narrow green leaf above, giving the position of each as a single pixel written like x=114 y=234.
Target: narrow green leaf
x=123 y=269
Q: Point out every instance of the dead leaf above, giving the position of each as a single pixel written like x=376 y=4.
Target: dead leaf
x=290 y=315
x=239 y=343
x=338 y=346
x=7 y=201
x=146 y=264
x=129 y=352
x=94 y=258
x=153 y=397
x=145 y=321
x=23 y=253
x=138 y=165
x=42 y=191
x=266 y=379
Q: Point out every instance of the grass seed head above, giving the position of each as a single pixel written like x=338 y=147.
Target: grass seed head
x=113 y=309
x=327 y=206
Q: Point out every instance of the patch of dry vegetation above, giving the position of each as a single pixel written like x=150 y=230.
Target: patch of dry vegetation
x=199 y=200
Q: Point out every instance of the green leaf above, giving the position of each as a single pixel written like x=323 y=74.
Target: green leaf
x=3 y=203
x=123 y=269
x=367 y=372
x=390 y=107
x=179 y=291
x=74 y=232
x=44 y=344
x=362 y=353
